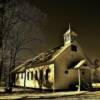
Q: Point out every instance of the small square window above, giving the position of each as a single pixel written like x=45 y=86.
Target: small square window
x=66 y=72
x=74 y=48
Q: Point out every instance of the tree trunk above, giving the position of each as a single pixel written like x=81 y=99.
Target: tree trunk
x=8 y=85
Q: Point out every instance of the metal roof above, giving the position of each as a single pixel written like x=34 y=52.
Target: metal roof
x=41 y=58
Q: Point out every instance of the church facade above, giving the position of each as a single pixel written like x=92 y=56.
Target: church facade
x=61 y=68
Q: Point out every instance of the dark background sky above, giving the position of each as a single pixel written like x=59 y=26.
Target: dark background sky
x=84 y=16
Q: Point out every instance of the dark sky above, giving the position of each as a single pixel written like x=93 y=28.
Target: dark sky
x=84 y=16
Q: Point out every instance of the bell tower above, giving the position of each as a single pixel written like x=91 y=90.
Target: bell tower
x=69 y=36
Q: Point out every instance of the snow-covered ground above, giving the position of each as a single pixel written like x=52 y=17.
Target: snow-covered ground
x=18 y=93
x=30 y=94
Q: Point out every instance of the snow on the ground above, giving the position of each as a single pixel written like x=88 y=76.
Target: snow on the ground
x=17 y=94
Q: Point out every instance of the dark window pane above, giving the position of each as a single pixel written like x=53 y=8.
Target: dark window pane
x=27 y=75
x=83 y=73
x=36 y=76
x=41 y=74
x=31 y=75
x=74 y=48
x=47 y=72
x=21 y=75
x=66 y=72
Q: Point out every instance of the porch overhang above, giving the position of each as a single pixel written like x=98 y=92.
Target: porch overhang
x=78 y=66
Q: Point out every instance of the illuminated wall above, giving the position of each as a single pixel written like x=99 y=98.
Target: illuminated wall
x=39 y=77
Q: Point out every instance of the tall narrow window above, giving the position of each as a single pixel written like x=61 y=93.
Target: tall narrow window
x=36 y=75
x=41 y=74
x=27 y=75
x=21 y=75
x=47 y=72
x=31 y=75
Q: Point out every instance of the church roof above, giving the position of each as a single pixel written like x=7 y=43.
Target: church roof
x=44 y=57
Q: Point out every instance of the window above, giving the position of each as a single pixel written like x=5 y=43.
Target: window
x=36 y=76
x=31 y=75
x=83 y=73
x=66 y=72
x=21 y=75
x=74 y=48
x=27 y=75
x=41 y=74
x=47 y=72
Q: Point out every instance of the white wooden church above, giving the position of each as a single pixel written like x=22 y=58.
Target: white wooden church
x=61 y=68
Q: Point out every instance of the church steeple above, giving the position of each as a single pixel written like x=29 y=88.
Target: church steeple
x=69 y=28
x=69 y=36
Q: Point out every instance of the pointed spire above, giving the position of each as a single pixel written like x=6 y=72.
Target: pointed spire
x=69 y=29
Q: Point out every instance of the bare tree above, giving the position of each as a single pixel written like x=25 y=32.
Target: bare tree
x=2 y=12
x=13 y=40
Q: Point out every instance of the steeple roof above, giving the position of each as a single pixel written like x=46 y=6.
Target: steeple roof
x=70 y=31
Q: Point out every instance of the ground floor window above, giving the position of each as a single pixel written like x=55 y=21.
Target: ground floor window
x=21 y=75
x=31 y=75
x=83 y=72
x=36 y=75
x=47 y=72
x=66 y=72
x=41 y=74
x=27 y=75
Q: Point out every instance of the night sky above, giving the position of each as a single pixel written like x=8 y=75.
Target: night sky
x=84 y=17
